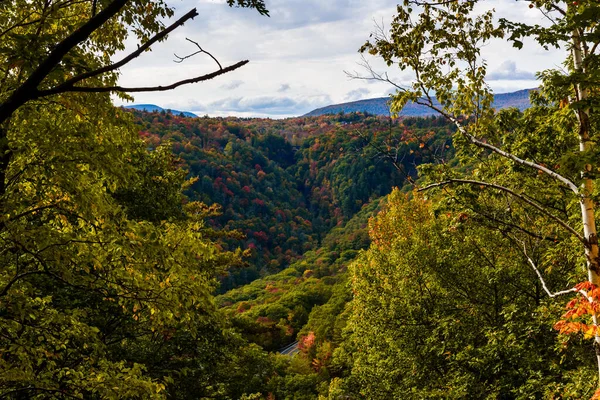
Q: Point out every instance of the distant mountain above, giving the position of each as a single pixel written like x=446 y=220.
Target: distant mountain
x=152 y=108
x=379 y=106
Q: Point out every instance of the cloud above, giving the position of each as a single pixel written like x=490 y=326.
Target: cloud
x=291 y=14
x=189 y=105
x=357 y=94
x=283 y=88
x=298 y=56
x=508 y=71
x=232 y=85
x=266 y=105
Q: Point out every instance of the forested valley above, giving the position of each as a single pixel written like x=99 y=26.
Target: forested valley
x=151 y=255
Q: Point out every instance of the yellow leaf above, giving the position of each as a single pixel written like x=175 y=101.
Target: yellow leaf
x=589 y=333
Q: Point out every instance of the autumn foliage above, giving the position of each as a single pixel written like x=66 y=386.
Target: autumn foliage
x=580 y=312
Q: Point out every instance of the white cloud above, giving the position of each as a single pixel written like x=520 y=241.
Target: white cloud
x=357 y=94
x=232 y=85
x=508 y=71
x=298 y=56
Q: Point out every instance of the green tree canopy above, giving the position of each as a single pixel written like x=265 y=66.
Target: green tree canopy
x=98 y=271
x=533 y=175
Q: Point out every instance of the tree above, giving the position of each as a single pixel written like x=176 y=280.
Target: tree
x=43 y=57
x=93 y=279
x=511 y=155
x=444 y=308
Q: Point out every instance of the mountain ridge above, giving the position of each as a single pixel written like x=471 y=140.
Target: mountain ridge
x=378 y=105
x=154 y=107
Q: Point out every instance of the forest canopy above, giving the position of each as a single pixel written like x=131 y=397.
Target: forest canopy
x=152 y=255
x=92 y=288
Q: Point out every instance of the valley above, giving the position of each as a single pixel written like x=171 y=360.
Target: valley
x=438 y=243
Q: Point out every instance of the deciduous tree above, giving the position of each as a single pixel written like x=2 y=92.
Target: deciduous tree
x=545 y=159
x=88 y=275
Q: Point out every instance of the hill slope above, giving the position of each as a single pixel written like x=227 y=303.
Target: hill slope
x=284 y=184
x=379 y=106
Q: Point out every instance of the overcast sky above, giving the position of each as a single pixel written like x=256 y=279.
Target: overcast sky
x=298 y=56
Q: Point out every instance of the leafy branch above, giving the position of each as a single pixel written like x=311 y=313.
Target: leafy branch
x=519 y=196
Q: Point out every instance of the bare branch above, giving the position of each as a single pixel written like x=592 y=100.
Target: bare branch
x=64 y=87
x=519 y=196
x=541 y=278
x=180 y=59
x=105 y=89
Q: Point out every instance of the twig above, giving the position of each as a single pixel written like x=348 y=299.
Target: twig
x=515 y=194
x=180 y=59
x=105 y=89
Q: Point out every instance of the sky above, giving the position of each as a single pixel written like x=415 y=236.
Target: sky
x=298 y=57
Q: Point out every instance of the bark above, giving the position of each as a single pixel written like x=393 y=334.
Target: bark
x=587 y=187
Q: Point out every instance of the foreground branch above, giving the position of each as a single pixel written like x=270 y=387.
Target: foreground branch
x=113 y=67
x=519 y=196
x=28 y=89
x=105 y=89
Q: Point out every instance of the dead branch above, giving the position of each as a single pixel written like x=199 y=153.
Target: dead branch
x=105 y=89
x=201 y=50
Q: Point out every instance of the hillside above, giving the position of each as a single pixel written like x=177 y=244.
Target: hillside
x=154 y=254
x=284 y=184
x=379 y=106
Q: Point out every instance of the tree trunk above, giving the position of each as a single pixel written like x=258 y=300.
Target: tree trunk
x=587 y=187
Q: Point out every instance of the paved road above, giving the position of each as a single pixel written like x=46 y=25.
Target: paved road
x=290 y=349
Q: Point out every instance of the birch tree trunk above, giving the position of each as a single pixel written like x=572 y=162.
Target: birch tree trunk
x=587 y=187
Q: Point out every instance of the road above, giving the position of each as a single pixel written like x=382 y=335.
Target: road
x=290 y=349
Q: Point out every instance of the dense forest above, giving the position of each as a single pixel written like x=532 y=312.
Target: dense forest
x=149 y=255
x=283 y=185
